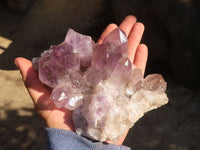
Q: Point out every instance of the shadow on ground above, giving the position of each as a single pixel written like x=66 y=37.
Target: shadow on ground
x=21 y=132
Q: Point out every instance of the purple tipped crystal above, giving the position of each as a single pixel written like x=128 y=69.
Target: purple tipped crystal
x=107 y=55
x=83 y=45
x=118 y=38
x=106 y=92
x=121 y=73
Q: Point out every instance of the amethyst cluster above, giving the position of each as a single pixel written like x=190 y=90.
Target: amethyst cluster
x=106 y=92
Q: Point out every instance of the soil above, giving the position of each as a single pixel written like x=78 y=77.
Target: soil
x=175 y=126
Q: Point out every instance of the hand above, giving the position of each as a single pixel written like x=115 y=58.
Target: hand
x=61 y=118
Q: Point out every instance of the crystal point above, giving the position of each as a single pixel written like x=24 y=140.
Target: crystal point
x=83 y=45
x=154 y=82
x=118 y=37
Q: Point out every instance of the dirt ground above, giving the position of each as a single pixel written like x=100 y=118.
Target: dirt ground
x=175 y=126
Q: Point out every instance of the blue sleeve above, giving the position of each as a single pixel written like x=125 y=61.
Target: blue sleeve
x=58 y=139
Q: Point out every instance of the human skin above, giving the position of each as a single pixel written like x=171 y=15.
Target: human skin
x=61 y=118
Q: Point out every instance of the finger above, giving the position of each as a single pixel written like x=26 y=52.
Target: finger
x=108 y=29
x=141 y=55
x=127 y=24
x=38 y=91
x=134 y=39
x=122 y=138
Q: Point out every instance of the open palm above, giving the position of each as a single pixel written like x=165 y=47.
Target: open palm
x=61 y=118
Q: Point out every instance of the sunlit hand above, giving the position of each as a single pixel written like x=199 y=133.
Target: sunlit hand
x=61 y=118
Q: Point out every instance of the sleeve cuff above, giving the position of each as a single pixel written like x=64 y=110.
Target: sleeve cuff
x=59 y=139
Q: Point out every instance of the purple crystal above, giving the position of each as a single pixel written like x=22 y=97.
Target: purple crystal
x=154 y=82
x=76 y=80
x=65 y=96
x=66 y=57
x=121 y=74
x=107 y=55
x=136 y=76
x=35 y=63
x=106 y=92
x=118 y=38
x=83 y=45
x=55 y=63
x=93 y=76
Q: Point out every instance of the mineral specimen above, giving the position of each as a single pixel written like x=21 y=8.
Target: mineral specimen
x=106 y=92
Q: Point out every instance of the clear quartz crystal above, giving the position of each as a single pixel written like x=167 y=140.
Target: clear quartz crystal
x=106 y=92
